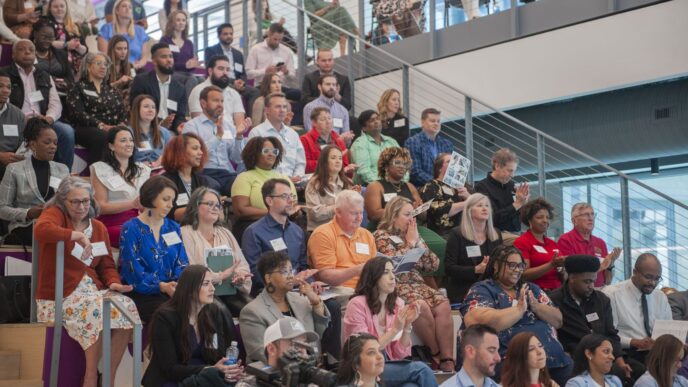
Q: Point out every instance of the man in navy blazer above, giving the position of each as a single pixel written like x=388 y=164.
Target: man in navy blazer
x=225 y=34
x=172 y=105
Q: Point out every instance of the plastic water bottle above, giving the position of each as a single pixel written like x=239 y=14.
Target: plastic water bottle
x=232 y=354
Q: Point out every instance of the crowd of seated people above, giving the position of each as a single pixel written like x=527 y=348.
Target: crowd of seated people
x=311 y=220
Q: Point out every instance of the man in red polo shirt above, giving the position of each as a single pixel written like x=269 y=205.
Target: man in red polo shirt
x=320 y=136
x=581 y=241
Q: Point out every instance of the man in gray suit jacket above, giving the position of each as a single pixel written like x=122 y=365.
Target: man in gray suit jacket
x=679 y=305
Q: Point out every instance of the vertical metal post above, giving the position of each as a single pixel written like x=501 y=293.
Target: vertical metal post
x=137 y=354
x=244 y=26
x=361 y=18
x=195 y=32
x=107 y=338
x=57 y=326
x=433 y=30
x=228 y=12
x=405 y=91
x=626 y=226
x=205 y=31
x=515 y=24
x=34 y=277
x=300 y=40
x=259 y=20
x=588 y=192
x=541 y=165
x=350 y=72
x=468 y=124
x=612 y=6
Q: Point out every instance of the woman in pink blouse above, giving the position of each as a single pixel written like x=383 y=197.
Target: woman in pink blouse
x=376 y=309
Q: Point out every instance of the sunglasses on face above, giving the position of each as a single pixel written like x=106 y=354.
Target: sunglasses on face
x=267 y=151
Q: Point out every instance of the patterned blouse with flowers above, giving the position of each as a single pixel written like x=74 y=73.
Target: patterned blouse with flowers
x=410 y=285
x=488 y=294
x=443 y=197
x=88 y=108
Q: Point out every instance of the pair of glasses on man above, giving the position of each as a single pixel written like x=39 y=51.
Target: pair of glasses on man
x=267 y=151
x=284 y=196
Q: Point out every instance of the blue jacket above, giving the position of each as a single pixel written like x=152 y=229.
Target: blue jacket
x=237 y=57
x=585 y=380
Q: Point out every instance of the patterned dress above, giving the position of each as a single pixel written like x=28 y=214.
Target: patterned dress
x=443 y=197
x=410 y=286
x=488 y=294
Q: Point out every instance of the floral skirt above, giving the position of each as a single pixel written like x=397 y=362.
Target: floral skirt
x=82 y=312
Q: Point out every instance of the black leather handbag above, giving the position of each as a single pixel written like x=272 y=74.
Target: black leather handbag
x=15 y=299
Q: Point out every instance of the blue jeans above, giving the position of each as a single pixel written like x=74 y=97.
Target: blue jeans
x=65 y=144
x=406 y=373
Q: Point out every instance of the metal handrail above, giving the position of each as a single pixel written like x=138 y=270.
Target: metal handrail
x=57 y=324
x=405 y=64
x=136 y=377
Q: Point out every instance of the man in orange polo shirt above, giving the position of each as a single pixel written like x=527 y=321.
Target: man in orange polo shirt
x=340 y=248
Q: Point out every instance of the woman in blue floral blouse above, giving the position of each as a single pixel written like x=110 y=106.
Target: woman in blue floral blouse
x=511 y=306
x=152 y=255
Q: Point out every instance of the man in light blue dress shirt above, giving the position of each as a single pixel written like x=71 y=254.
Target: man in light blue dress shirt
x=222 y=139
x=294 y=161
x=480 y=348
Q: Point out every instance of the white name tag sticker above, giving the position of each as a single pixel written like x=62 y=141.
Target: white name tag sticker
x=145 y=145
x=54 y=182
x=10 y=130
x=227 y=135
x=399 y=123
x=338 y=122
x=362 y=248
x=278 y=244
x=116 y=181
x=592 y=317
x=171 y=105
x=99 y=249
x=448 y=190
x=238 y=67
x=174 y=48
x=35 y=96
x=182 y=199
x=90 y=93
x=28 y=5
x=77 y=251
x=473 y=251
x=389 y=196
x=396 y=239
x=540 y=249
x=171 y=238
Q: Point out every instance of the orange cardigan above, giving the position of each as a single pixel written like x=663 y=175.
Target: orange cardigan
x=54 y=226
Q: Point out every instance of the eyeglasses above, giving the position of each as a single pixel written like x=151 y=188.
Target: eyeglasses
x=100 y=63
x=651 y=278
x=515 y=265
x=77 y=202
x=399 y=163
x=212 y=205
x=286 y=273
x=267 y=151
x=590 y=215
x=284 y=196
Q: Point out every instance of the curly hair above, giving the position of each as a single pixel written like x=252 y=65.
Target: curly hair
x=389 y=154
x=367 y=285
x=254 y=149
x=498 y=257
x=531 y=208
x=174 y=156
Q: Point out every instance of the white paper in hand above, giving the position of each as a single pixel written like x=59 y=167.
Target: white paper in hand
x=99 y=249
x=78 y=251
x=457 y=171
x=422 y=208
x=676 y=328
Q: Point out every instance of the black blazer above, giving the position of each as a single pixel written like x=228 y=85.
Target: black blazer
x=197 y=180
x=147 y=83
x=237 y=57
x=309 y=89
x=166 y=364
x=42 y=80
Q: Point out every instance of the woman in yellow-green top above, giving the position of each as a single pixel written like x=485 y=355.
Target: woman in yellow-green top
x=261 y=156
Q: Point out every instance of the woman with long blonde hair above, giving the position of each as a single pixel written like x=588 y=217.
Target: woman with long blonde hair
x=394 y=123
x=123 y=24
x=176 y=36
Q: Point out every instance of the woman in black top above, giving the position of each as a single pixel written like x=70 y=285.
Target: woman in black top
x=94 y=107
x=392 y=167
x=189 y=335
x=48 y=58
x=394 y=123
x=184 y=156
x=469 y=247
x=447 y=202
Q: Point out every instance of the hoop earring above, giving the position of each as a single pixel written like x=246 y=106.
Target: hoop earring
x=270 y=288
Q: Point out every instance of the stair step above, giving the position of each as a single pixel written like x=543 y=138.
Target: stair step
x=29 y=340
x=21 y=383
x=10 y=362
